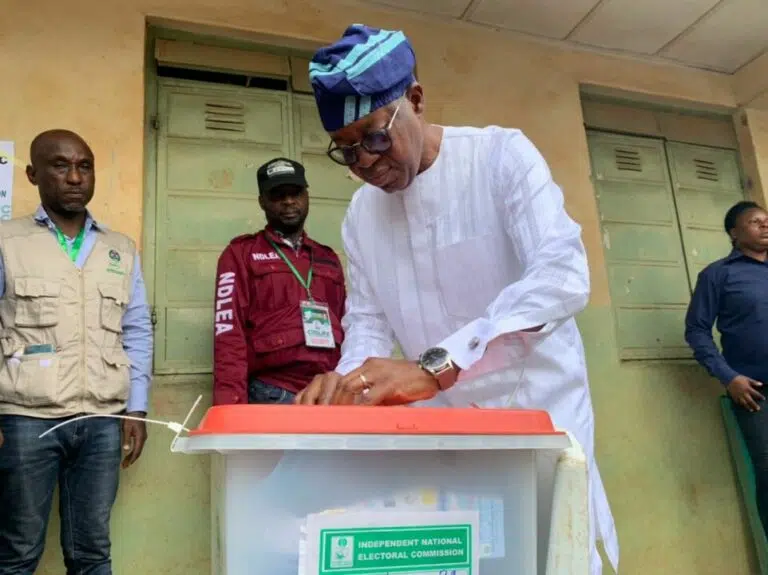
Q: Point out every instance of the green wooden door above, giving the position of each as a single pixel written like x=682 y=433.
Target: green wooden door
x=661 y=210
x=706 y=182
x=211 y=141
x=646 y=267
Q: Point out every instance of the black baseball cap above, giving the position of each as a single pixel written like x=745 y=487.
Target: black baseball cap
x=278 y=172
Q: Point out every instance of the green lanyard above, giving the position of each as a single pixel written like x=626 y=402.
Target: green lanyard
x=304 y=283
x=76 y=244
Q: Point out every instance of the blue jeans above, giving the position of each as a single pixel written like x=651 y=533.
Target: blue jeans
x=84 y=459
x=260 y=393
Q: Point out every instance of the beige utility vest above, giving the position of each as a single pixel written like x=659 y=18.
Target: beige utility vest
x=78 y=311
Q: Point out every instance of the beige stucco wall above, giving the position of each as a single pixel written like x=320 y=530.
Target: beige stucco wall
x=757 y=126
x=659 y=436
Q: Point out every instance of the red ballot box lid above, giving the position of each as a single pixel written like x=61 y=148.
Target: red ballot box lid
x=361 y=420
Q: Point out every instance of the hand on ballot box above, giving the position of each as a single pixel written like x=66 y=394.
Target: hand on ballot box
x=379 y=381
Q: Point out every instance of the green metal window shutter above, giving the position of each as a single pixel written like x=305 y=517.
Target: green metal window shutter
x=706 y=182
x=211 y=141
x=647 y=274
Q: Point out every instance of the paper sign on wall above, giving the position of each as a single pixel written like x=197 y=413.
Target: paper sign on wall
x=6 y=179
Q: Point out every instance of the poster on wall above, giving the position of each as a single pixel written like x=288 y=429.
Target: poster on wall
x=6 y=179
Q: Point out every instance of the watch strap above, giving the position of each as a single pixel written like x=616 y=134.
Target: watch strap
x=445 y=376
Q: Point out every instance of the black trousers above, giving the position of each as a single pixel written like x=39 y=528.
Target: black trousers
x=754 y=428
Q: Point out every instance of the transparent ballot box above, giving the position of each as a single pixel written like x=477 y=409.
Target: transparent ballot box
x=311 y=490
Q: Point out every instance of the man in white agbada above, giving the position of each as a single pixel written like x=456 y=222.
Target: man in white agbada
x=460 y=249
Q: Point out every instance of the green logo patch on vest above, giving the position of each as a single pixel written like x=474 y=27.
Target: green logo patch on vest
x=114 y=266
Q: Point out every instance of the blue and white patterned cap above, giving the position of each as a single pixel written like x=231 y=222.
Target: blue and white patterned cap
x=364 y=70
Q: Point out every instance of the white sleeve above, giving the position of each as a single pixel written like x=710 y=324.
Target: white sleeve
x=555 y=284
x=366 y=330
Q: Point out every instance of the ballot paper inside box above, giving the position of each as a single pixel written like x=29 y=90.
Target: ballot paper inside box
x=281 y=469
x=443 y=504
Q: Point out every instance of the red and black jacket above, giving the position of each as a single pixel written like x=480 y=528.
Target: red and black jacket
x=258 y=327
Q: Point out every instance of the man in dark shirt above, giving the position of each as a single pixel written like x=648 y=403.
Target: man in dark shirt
x=279 y=299
x=733 y=292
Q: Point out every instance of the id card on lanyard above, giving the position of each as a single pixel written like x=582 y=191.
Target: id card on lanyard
x=315 y=316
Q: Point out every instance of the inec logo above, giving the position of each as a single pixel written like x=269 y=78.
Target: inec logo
x=114 y=266
x=342 y=549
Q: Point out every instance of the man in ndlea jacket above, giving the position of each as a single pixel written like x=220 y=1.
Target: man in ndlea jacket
x=279 y=299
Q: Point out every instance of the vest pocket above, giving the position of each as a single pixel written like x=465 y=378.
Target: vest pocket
x=115 y=386
x=112 y=308
x=37 y=302
x=35 y=379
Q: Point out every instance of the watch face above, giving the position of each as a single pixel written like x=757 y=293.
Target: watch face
x=434 y=357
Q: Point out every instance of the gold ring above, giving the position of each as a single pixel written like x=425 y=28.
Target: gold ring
x=366 y=385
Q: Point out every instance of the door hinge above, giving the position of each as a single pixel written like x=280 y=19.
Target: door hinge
x=153 y=316
x=154 y=122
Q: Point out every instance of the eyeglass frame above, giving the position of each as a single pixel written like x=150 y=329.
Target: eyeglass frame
x=385 y=130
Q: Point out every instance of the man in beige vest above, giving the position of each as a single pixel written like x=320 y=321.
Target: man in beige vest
x=76 y=339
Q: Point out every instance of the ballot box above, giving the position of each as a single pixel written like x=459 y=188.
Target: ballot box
x=354 y=490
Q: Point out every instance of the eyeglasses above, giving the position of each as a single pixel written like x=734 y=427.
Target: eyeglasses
x=376 y=142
